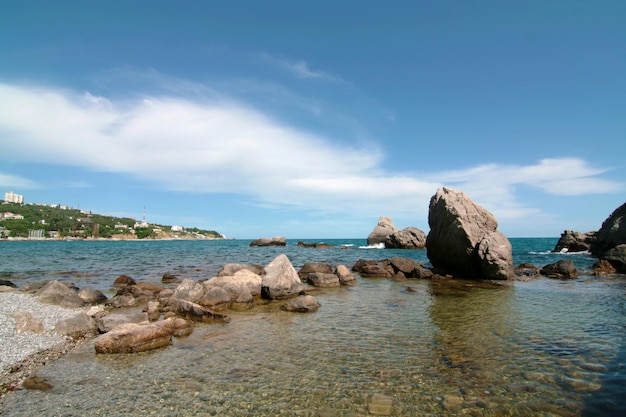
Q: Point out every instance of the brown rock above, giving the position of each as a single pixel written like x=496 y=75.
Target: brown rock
x=134 y=337
x=302 y=304
x=26 y=323
x=123 y=280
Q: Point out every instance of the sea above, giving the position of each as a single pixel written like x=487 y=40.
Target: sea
x=536 y=347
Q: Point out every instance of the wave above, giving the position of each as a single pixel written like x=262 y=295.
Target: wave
x=374 y=246
x=562 y=252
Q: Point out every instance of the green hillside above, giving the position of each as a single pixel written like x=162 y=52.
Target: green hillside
x=58 y=222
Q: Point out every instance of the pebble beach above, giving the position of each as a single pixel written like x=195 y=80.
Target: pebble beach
x=22 y=354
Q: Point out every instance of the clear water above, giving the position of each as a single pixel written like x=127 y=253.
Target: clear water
x=538 y=348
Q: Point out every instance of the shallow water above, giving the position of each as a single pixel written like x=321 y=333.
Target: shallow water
x=543 y=347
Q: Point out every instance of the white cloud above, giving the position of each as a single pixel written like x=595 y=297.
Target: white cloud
x=221 y=145
x=299 y=69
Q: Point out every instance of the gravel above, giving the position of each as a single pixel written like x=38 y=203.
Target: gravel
x=14 y=347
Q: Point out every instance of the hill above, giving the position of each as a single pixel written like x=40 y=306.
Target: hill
x=55 y=221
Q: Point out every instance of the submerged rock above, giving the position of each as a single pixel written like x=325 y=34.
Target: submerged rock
x=302 y=304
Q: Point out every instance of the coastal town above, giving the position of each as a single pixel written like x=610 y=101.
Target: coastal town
x=37 y=221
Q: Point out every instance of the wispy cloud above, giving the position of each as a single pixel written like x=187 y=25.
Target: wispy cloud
x=16 y=182
x=226 y=146
x=299 y=69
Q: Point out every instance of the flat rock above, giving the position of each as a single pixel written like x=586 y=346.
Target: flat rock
x=134 y=337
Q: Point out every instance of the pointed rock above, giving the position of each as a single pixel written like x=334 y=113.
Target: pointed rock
x=281 y=279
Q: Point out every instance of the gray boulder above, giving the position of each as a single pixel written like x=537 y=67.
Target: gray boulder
x=215 y=298
x=409 y=238
x=57 y=293
x=302 y=304
x=90 y=295
x=464 y=240
x=270 y=241
x=81 y=325
x=281 y=279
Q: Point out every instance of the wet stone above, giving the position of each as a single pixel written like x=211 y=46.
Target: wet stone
x=380 y=405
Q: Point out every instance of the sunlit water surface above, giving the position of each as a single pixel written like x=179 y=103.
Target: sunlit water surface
x=537 y=348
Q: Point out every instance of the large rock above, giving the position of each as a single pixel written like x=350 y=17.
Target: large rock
x=135 y=337
x=382 y=231
x=57 y=293
x=571 y=241
x=386 y=233
x=281 y=279
x=611 y=234
x=464 y=240
x=270 y=241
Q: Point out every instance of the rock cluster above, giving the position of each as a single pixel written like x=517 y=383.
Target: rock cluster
x=464 y=240
x=396 y=267
x=386 y=233
x=607 y=244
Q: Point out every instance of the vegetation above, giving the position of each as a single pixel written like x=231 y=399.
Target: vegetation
x=56 y=221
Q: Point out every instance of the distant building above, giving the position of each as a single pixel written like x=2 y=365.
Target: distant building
x=35 y=234
x=7 y=215
x=177 y=229
x=11 y=197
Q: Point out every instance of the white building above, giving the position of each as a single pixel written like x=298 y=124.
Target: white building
x=11 y=197
x=177 y=229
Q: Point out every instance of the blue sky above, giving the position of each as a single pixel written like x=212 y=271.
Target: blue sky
x=312 y=119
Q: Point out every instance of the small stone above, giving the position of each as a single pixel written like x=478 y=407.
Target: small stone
x=380 y=405
x=451 y=401
x=37 y=383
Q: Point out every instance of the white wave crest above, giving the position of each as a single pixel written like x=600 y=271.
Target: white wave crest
x=374 y=246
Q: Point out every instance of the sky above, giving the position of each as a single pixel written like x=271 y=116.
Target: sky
x=311 y=120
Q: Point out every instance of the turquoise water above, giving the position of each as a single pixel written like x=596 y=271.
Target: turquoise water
x=538 y=348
